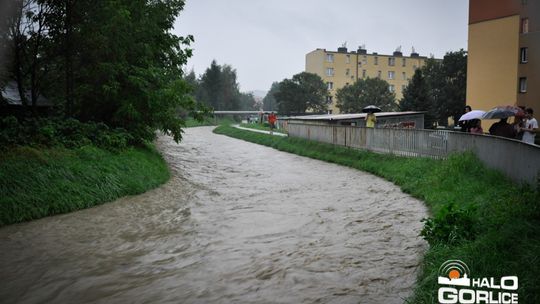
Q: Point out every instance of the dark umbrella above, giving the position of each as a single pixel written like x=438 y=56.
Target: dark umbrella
x=371 y=109
x=502 y=112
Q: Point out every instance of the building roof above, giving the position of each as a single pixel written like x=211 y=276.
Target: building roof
x=10 y=94
x=328 y=117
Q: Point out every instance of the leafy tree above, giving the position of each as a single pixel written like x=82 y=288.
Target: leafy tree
x=371 y=91
x=454 y=67
x=269 y=101
x=439 y=89
x=304 y=92
x=108 y=61
x=247 y=102
x=416 y=98
x=219 y=88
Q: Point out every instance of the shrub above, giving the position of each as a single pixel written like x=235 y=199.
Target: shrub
x=450 y=226
x=53 y=132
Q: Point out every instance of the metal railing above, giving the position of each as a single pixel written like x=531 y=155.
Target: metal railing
x=517 y=160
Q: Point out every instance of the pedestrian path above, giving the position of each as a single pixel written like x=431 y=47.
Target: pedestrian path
x=260 y=131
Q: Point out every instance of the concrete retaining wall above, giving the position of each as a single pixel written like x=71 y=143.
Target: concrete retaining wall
x=518 y=160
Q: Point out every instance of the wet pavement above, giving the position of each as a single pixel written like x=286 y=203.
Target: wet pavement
x=237 y=223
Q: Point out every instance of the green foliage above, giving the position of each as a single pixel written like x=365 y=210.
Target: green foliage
x=115 y=62
x=438 y=88
x=450 y=226
x=36 y=183
x=69 y=133
x=269 y=101
x=218 y=88
x=304 y=92
x=416 y=98
x=481 y=217
x=364 y=92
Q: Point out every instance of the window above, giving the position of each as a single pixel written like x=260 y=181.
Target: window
x=346 y=83
x=404 y=63
x=403 y=88
x=379 y=74
x=376 y=60
x=414 y=67
x=329 y=72
x=391 y=88
x=523 y=84
x=348 y=59
x=330 y=57
x=330 y=85
x=363 y=73
x=404 y=75
x=524 y=58
x=329 y=99
x=391 y=61
x=524 y=25
x=347 y=72
x=391 y=74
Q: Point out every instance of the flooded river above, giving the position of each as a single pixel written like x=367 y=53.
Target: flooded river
x=237 y=223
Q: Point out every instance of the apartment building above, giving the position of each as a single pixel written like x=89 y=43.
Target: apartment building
x=340 y=68
x=503 y=65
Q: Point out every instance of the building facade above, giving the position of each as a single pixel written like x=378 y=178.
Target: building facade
x=342 y=68
x=503 y=66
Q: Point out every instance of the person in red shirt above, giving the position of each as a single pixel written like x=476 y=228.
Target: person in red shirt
x=272 y=121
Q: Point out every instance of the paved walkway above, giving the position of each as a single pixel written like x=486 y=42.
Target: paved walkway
x=260 y=131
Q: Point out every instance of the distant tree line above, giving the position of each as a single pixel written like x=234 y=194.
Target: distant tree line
x=218 y=88
x=114 y=62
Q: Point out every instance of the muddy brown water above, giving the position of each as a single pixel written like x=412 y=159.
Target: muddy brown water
x=237 y=223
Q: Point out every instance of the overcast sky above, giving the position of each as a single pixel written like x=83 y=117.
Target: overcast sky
x=267 y=40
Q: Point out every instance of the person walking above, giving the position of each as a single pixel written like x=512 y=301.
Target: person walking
x=531 y=127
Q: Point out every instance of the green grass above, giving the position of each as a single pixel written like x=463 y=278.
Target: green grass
x=506 y=216
x=37 y=183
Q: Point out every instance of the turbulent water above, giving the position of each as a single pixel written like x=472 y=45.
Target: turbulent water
x=237 y=223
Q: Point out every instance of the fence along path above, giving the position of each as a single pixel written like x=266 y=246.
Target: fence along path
x=518 y=160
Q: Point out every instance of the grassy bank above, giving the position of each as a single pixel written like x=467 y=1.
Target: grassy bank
x=37 y=183
x=478 y=215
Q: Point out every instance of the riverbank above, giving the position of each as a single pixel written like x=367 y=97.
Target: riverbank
x=35 y=183
x=478 y=215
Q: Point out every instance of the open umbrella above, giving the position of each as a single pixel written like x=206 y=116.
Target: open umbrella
x=502 y=112
x=474 y=114
x=371 y=109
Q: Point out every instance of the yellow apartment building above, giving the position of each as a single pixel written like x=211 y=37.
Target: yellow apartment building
x=503 y=65
x=340 y=68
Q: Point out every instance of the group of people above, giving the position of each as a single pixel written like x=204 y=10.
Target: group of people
x=524 y=126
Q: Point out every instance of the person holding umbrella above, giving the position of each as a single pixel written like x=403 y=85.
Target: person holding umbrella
x=503 y=129
x=370 y=118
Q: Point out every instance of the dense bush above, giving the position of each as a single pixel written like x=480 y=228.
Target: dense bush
x=451 y=225
x=69 y=133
